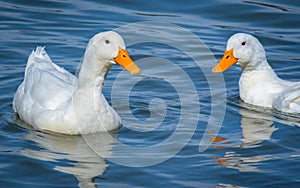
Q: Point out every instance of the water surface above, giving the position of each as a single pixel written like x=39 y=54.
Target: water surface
x=254 y=148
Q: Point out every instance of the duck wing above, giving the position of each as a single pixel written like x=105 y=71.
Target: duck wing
x=288 y=101
x=46 y=86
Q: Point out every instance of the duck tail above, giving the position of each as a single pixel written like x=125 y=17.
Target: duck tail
x=40 y=54
x=36 y=56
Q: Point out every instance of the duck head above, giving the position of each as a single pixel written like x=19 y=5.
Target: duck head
x=242 y=49
x=109 y=48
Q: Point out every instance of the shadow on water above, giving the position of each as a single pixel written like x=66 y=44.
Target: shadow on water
x=71 y=154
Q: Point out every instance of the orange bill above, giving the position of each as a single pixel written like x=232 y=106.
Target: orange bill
x=126 y=62
x=227 y=61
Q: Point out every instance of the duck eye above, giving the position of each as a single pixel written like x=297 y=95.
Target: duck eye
x=107 y=41
x=243 y=43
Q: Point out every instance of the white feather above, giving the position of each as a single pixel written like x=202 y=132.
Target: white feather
x=259 y=85
x=50 y=97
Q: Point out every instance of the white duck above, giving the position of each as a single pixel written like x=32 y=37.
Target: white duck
x=50 y=98
x=259 y=85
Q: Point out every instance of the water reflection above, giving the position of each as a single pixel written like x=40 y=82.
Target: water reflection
x=257 y=126
x=72 y=154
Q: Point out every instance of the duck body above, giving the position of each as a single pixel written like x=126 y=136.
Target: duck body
x=263 y=88
x=50 y=98
x=258 y=84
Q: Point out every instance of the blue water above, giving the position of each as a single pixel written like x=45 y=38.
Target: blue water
x=253 y=148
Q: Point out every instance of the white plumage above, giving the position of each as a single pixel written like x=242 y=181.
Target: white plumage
x=50 y=98
x=259 y=85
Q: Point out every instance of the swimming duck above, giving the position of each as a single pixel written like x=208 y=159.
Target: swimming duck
x=258 y=84
x=52 y=99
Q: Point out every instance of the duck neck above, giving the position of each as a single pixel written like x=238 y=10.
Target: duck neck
x=260 y=69
x=258 y=62
x=93 y=71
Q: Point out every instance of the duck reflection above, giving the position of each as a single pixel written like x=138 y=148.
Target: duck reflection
x=257 y=127
x=81 y=156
